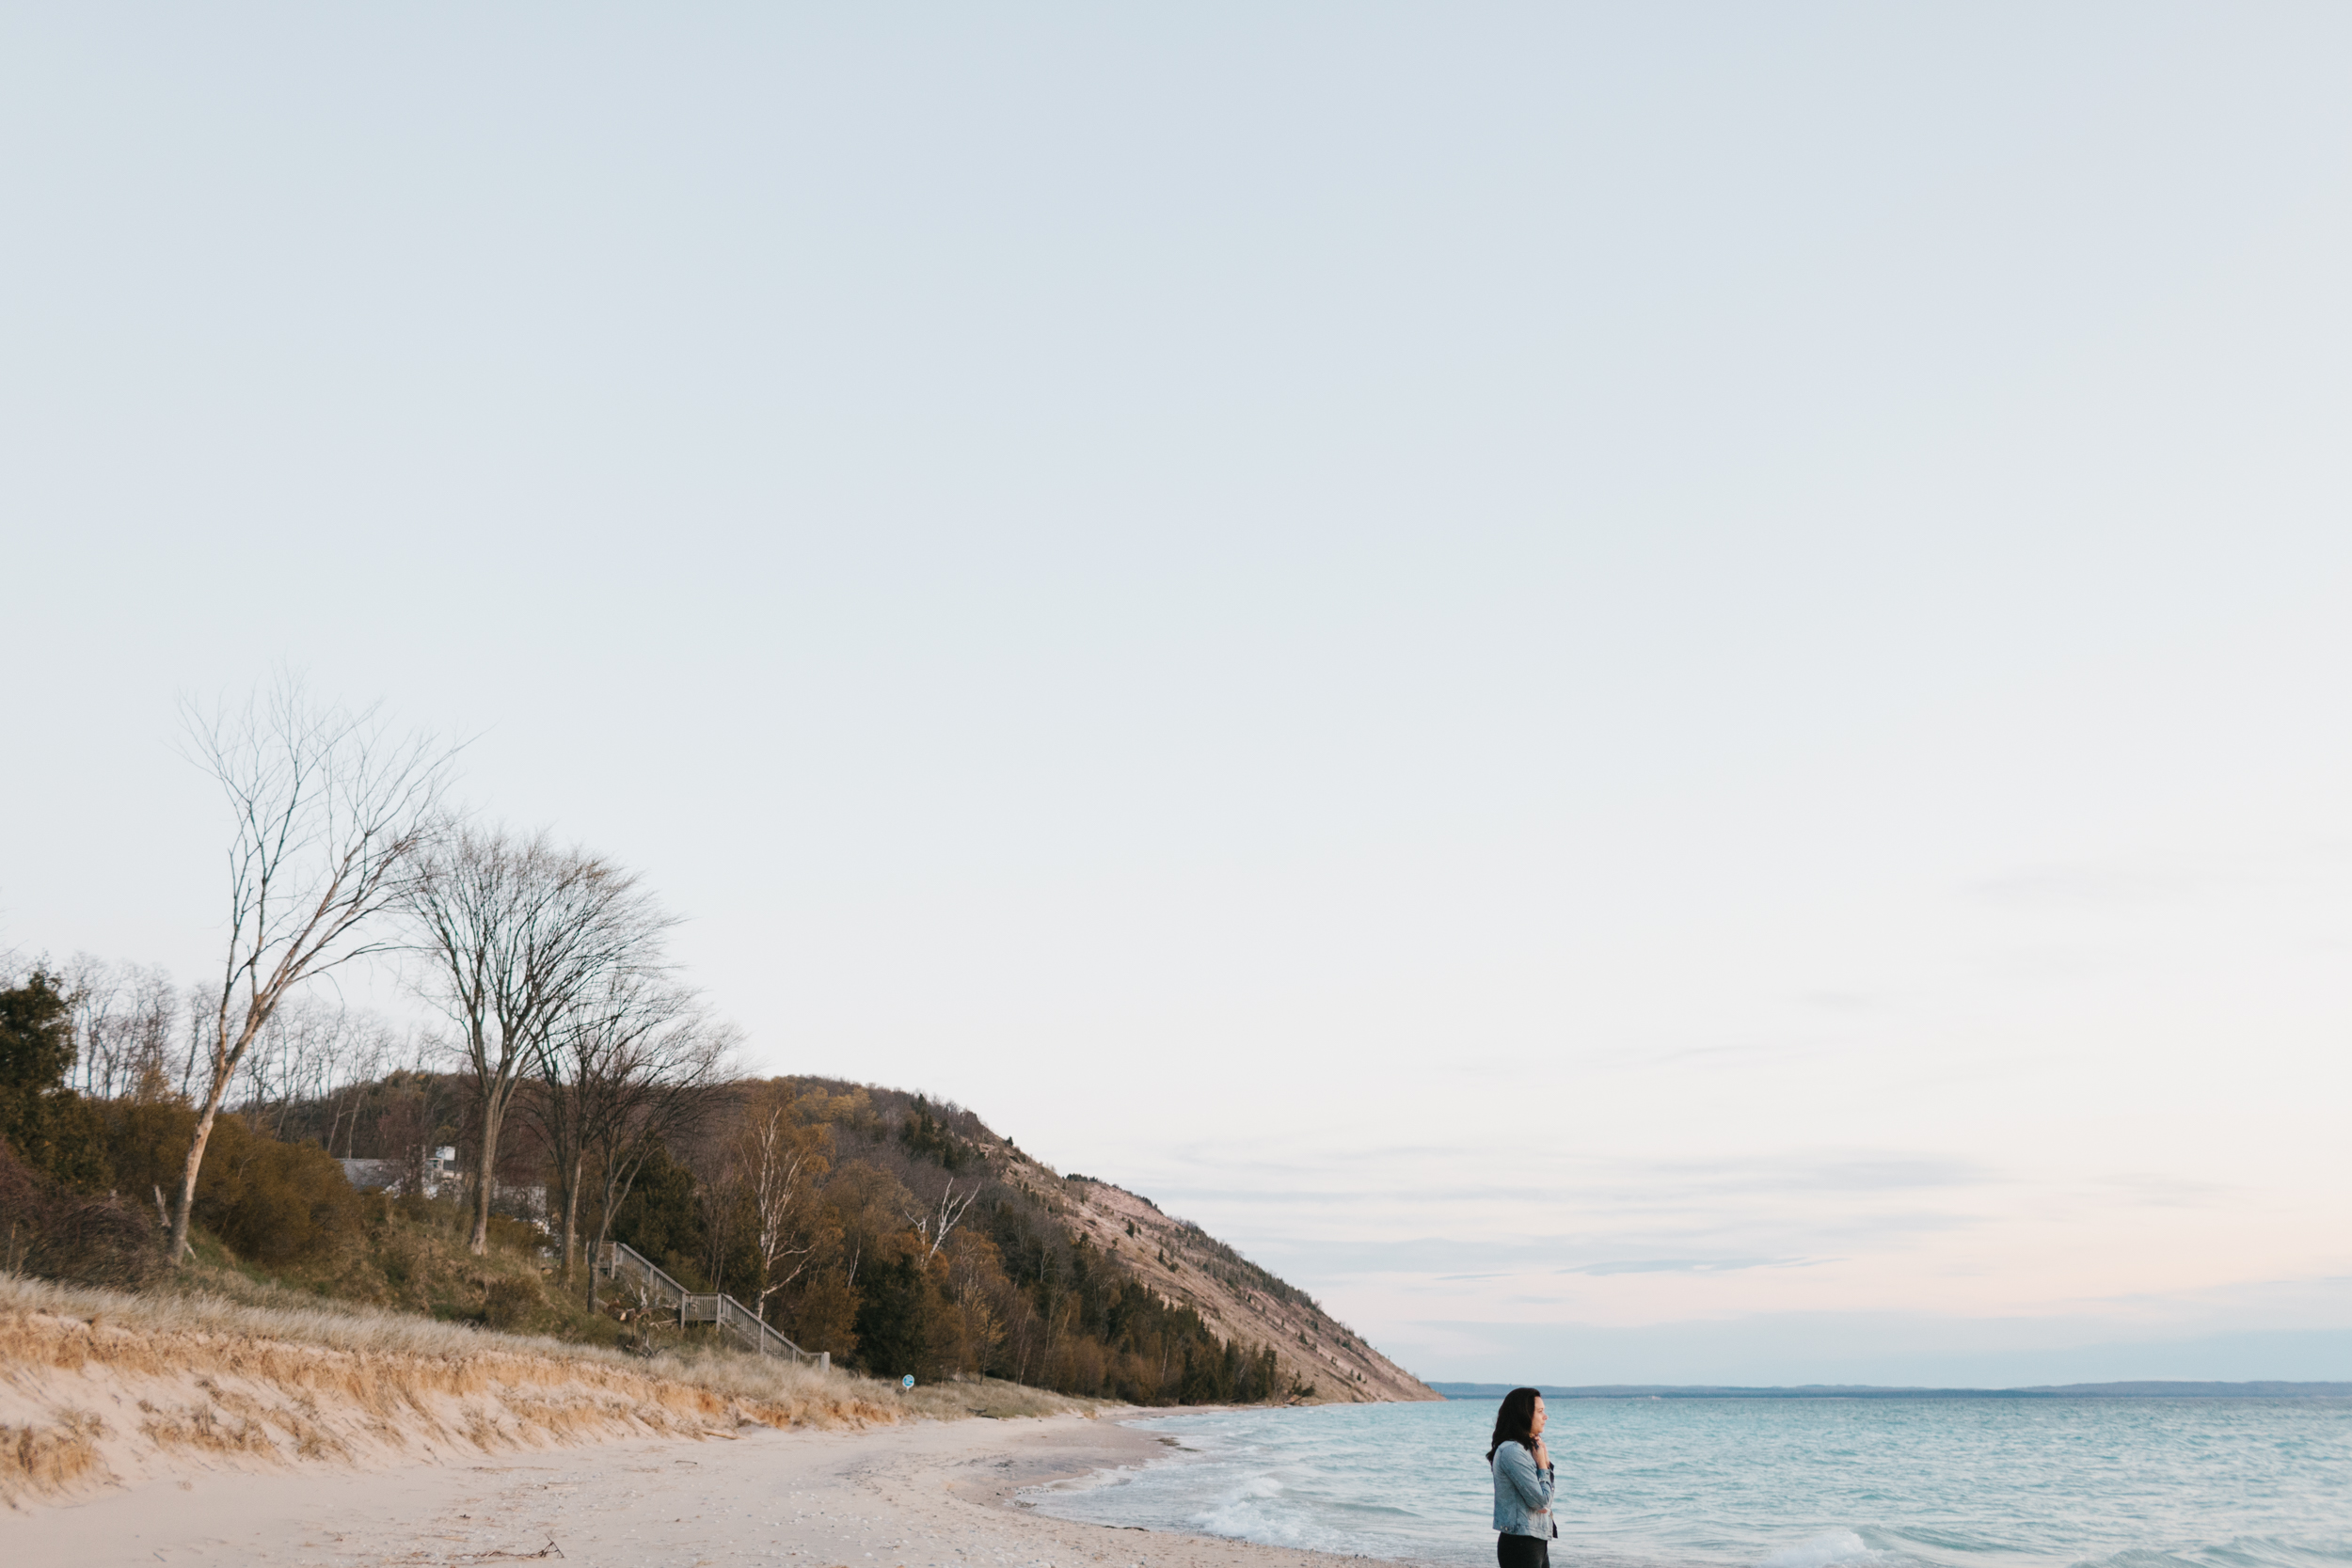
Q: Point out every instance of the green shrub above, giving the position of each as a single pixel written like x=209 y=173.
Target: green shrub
x=52 y=1129
x=147 y=1143
x=511 y=1301
x=269 y=1201
x=273 y=1202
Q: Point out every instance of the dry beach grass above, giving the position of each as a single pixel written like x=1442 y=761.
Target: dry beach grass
x=100 y=1387
x=164 y=1427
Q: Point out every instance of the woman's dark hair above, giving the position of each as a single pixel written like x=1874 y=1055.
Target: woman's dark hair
x=1516 y=1421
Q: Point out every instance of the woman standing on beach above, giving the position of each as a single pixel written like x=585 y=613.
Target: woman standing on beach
x=1523 y=1528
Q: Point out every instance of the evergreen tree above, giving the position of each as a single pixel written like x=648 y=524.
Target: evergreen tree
x=894 y=1320
x=661 y=1218
x=52 y=1129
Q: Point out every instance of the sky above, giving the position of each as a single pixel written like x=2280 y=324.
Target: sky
x=1653 y=693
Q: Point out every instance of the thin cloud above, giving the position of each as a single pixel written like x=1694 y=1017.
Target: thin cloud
x=1687 y=1265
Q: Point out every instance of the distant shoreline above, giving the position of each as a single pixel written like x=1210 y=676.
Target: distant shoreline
x=1874 y=1391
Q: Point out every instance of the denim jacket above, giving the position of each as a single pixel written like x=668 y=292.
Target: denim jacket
x=1523 y=1494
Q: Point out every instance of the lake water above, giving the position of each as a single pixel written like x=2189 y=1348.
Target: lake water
x=1771 y=1483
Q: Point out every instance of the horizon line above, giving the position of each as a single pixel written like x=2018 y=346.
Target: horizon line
x=2131 y=1388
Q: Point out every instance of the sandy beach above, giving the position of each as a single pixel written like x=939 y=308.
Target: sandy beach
x=925 y=1494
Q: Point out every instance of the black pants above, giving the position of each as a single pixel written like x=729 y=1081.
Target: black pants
x=1522 y=1551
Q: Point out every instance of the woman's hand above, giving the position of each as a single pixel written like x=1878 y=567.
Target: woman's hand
x=1542 y=1455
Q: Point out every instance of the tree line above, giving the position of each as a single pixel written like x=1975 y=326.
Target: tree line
x=571 y=1063
x=901 y=1235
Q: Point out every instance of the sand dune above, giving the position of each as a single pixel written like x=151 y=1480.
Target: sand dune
x=138 y=1430
x=101 y=1391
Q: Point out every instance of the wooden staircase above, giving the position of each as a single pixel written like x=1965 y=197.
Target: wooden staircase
x=620 y=1262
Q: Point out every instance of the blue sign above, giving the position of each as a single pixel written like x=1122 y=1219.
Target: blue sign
x=907 y=1382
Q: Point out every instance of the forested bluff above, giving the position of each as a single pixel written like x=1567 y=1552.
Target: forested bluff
x=902 y=1236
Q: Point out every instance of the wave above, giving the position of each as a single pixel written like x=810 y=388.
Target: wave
x=1831 y=1547
x=2245 y=1551
x=1793 y=1484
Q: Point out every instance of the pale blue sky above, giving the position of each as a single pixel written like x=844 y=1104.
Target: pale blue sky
x=1645 y=691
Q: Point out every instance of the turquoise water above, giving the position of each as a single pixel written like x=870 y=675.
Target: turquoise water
x=1773 y=1484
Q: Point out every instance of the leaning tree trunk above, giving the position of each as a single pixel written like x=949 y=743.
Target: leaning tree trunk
x=188 y=1174
x=224 y=1068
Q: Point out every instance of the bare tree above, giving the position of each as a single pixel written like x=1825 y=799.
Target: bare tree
x=591 y=1070
x=520 y=935
x=977 y=1288
x=647 y=1070
x=123 y=1016
x=777 y=1160
x=196 y=1049
x=308 y=1065
x=364 y=1055
x=935 y=1223
x=331 y=814
x=297 y=1056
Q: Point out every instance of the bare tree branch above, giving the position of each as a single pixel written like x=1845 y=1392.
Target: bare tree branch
x=935 y=1225
x=634 y=1030
x=647 y=1064
x=124 y=1017
x=775 y=1162
x=522 y=935
x=331 y=813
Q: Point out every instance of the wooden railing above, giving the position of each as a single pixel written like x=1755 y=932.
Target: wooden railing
x=622 y=1261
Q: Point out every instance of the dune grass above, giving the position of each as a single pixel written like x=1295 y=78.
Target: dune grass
x=411 y=1256
x=280 y=1378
